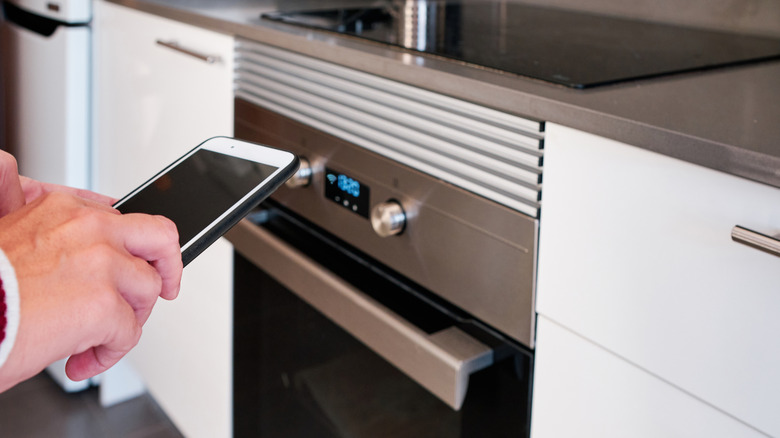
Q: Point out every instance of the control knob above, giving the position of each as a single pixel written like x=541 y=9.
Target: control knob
x=388 y=218
x=302 y=177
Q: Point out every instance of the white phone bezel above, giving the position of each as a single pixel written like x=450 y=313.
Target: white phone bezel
x=232 y=147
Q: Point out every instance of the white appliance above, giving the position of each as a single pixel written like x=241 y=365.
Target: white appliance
x=46 y=62
x=46 y=58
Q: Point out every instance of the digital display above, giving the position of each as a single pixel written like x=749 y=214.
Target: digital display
x=348 y=185
x=347 y=191
x=198 y=190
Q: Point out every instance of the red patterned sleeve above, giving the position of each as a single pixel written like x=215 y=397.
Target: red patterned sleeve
x=2 y=312
x=9 y=307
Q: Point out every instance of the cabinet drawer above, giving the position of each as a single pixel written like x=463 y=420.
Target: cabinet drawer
x=582 y=390
x=636 y=255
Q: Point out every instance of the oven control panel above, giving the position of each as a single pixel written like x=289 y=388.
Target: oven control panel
x=347 y=192
x=387 y=218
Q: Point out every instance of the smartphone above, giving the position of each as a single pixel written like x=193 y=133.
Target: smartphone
x=209 y=189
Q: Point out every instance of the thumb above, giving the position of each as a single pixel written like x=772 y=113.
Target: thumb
x=11 y=195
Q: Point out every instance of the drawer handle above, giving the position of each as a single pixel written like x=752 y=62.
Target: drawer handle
x=441 y=362
x=756 y=240
x=173 y=45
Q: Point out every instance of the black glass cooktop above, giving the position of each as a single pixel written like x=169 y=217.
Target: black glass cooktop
x=570 y=48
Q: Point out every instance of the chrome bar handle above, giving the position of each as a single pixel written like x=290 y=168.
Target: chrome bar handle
x=441 y=362
x=174 y=45
x=756 y=240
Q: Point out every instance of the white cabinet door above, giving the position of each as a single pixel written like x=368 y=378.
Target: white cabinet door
x=636 y=255
x=152 y=104
x=584 y=391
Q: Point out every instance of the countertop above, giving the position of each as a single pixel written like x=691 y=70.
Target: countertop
x=726 y=119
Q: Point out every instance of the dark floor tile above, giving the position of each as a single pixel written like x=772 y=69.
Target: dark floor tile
x=39 y=408
x=158 y=431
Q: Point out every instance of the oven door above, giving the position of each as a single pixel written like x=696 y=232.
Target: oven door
x=330 y=343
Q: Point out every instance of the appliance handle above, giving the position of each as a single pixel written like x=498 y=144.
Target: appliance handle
x=441 y=362
x=174 y=45
x=25 y=19
x=756 y=240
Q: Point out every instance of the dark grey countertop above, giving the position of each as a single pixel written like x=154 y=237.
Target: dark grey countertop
x=726 y=119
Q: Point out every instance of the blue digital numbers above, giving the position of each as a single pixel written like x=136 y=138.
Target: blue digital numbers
x=349 y=185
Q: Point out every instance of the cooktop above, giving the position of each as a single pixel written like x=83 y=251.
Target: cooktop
x=565 y=47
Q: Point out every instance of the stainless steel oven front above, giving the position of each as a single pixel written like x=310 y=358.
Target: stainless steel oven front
x=388 y=290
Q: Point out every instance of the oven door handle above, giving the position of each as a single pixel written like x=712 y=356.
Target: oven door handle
x=441 y=362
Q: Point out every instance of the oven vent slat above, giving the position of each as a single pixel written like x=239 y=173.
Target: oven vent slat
x=494 y=154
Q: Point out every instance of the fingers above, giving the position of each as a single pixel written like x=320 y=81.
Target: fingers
x=33 y=189
x=144 y=238
x=86 y=364
x=96 y=197
x=155 y=239
x=98 y=359
x=148 y=263
x=92 y=362
x=139 y=284
x=11 y=195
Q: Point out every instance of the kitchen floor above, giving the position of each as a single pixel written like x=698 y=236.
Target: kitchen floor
x=38 y=408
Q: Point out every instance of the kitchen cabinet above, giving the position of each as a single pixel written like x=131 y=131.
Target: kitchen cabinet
x=636 y=256
x=583 y=390
x=152 y=104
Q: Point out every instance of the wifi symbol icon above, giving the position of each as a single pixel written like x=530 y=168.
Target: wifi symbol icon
x=332 y=178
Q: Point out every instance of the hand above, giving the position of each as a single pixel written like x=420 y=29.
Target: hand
x=88 y=279
x=33 y=189
x=16 y=190
x=11 y=194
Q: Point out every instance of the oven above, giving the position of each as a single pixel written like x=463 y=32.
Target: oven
x=388 y=289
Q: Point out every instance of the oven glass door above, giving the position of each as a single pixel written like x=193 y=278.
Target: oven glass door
x=299 y=374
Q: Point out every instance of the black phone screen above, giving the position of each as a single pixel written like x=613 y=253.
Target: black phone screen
x=195 y=192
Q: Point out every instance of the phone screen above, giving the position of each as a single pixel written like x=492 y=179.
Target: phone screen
x=195 y=192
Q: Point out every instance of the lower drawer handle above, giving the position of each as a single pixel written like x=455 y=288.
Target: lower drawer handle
x=756 y=240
